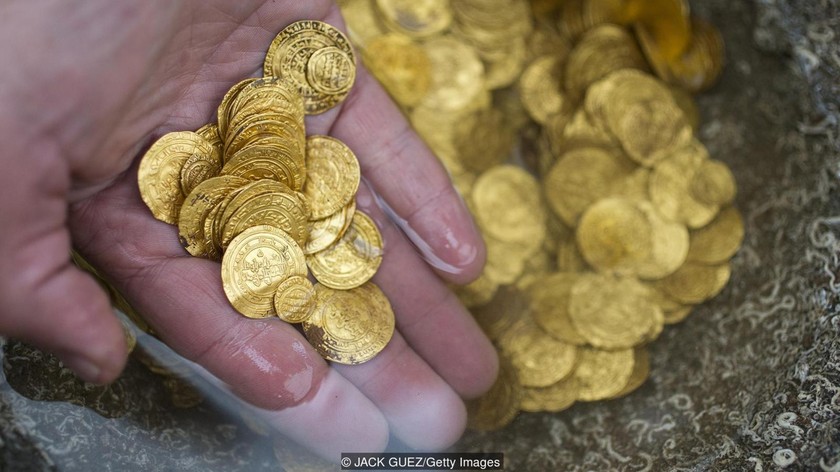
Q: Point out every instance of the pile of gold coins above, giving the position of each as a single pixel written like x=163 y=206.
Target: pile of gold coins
x=254 y=192
x=607 y=220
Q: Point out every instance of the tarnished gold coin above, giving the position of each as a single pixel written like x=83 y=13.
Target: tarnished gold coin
x=353 y=259
x=613 y=312
x=554 y=398
x=402 y=66
x=255 y=264
x=325 y=232
x=602 y=374
x=159 y=175
x=615 y=236
x=550 y=306
x=419 y=18
x=540 y=359
x=197 y=208
x=332 y=175
x=694 y=283
x=499 y=406
x=294 y=299
x=350 y=326
x=483 y=139
x=498 y=315
x=580 y=178
x=517 y=192
x=292 y=50
x=720 y=240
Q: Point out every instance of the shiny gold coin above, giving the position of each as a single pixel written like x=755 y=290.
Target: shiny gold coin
x=198 y=168
x=223 y=111
x=353 y=259
x=507 y=205
x=540 y=359
x=332 y=175
x=554 y=398
x=255 y=264
x=362 y=19
x=325 y=232
x=550 y=307
x=602 y=374
x=350 y=326
x=700 y=66
x=580 y=178
x=499 y=406
x=294 y=299
x=197 y=208
x=418 y=18
x=283 y=209
x=159 y=175
x=457 y=75
x=269 y=162
x=695 y=283
x=613 y=312
x=667 y=21
x=720 y=240
x=539 y=88
x=401 y=65
x=292 y=50
x=615 y=236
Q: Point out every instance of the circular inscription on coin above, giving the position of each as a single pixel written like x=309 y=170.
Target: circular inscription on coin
x=351 y=261
x=289 y=56
x=294 y=299
x=332 y=175
x=350 y=326
x=255 y=264
x=331 y=71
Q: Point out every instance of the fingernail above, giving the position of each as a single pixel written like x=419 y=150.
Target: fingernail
x=84 y=368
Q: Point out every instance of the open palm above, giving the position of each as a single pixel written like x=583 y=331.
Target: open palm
x=85 y=87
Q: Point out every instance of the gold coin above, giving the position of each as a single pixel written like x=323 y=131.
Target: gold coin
x=613 y=312
x=255 y=264
x=641 y=371
x=332 y=175
x=713 y=184
x=362 y=19
x=678 y=315
x=701 y=64
x=402 y=66
x=159 y=175
x=505 y=261
x=580 y=178
x=200 y=167
x=325 y=232
x=554 y=398
x=350 y=326
x=669 y=244
x=499 y=406
x=289 y=57
x=257 y=163
x=670 y=184
x=294 y=299
x=223 y=111
x=615 y=236
x=539 y=88
x=550 y=306
x=196 y=209
x=720 y=240
x=353 y=259
x=457 y=75
x=695 y=283
x=498 y=315
x=478 y=292
x=540 y=359
x=507 y=205
x=602 y=374
x=283 y=209
x=418 y=18
x=483 y=139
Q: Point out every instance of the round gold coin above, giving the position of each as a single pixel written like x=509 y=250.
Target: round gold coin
x=539 y=88
x=457 y=75
x=294 y=299
x=401 y=65
x=325 y=232
x=517 y=191
x=159 y=175
x=419 y=18
x=197 y=207
x=332 y=175
x=602 y=374
x=289 y=58
x=615 y=236
x=350 y=326
x=353 y=259
x=550 y=306
x=556 y=397
x=499 y=406
x=720 y=240
x=540 y=359
x=255 y=264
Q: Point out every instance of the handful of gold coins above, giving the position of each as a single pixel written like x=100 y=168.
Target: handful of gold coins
x=608 y=219
x=254 y=192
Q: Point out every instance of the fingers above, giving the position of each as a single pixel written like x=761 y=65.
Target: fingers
x=429 y=315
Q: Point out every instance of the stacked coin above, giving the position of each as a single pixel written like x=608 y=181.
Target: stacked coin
x=621 y=225
x=254 y=192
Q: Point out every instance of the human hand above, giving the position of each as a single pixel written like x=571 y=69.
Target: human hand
x=86 y=87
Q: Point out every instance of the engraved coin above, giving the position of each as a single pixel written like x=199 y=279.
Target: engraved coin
x=331 y=71
x=350 y=326
x=294 y=300
x=353 y=259
x=255 y=264
x=332 y=175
